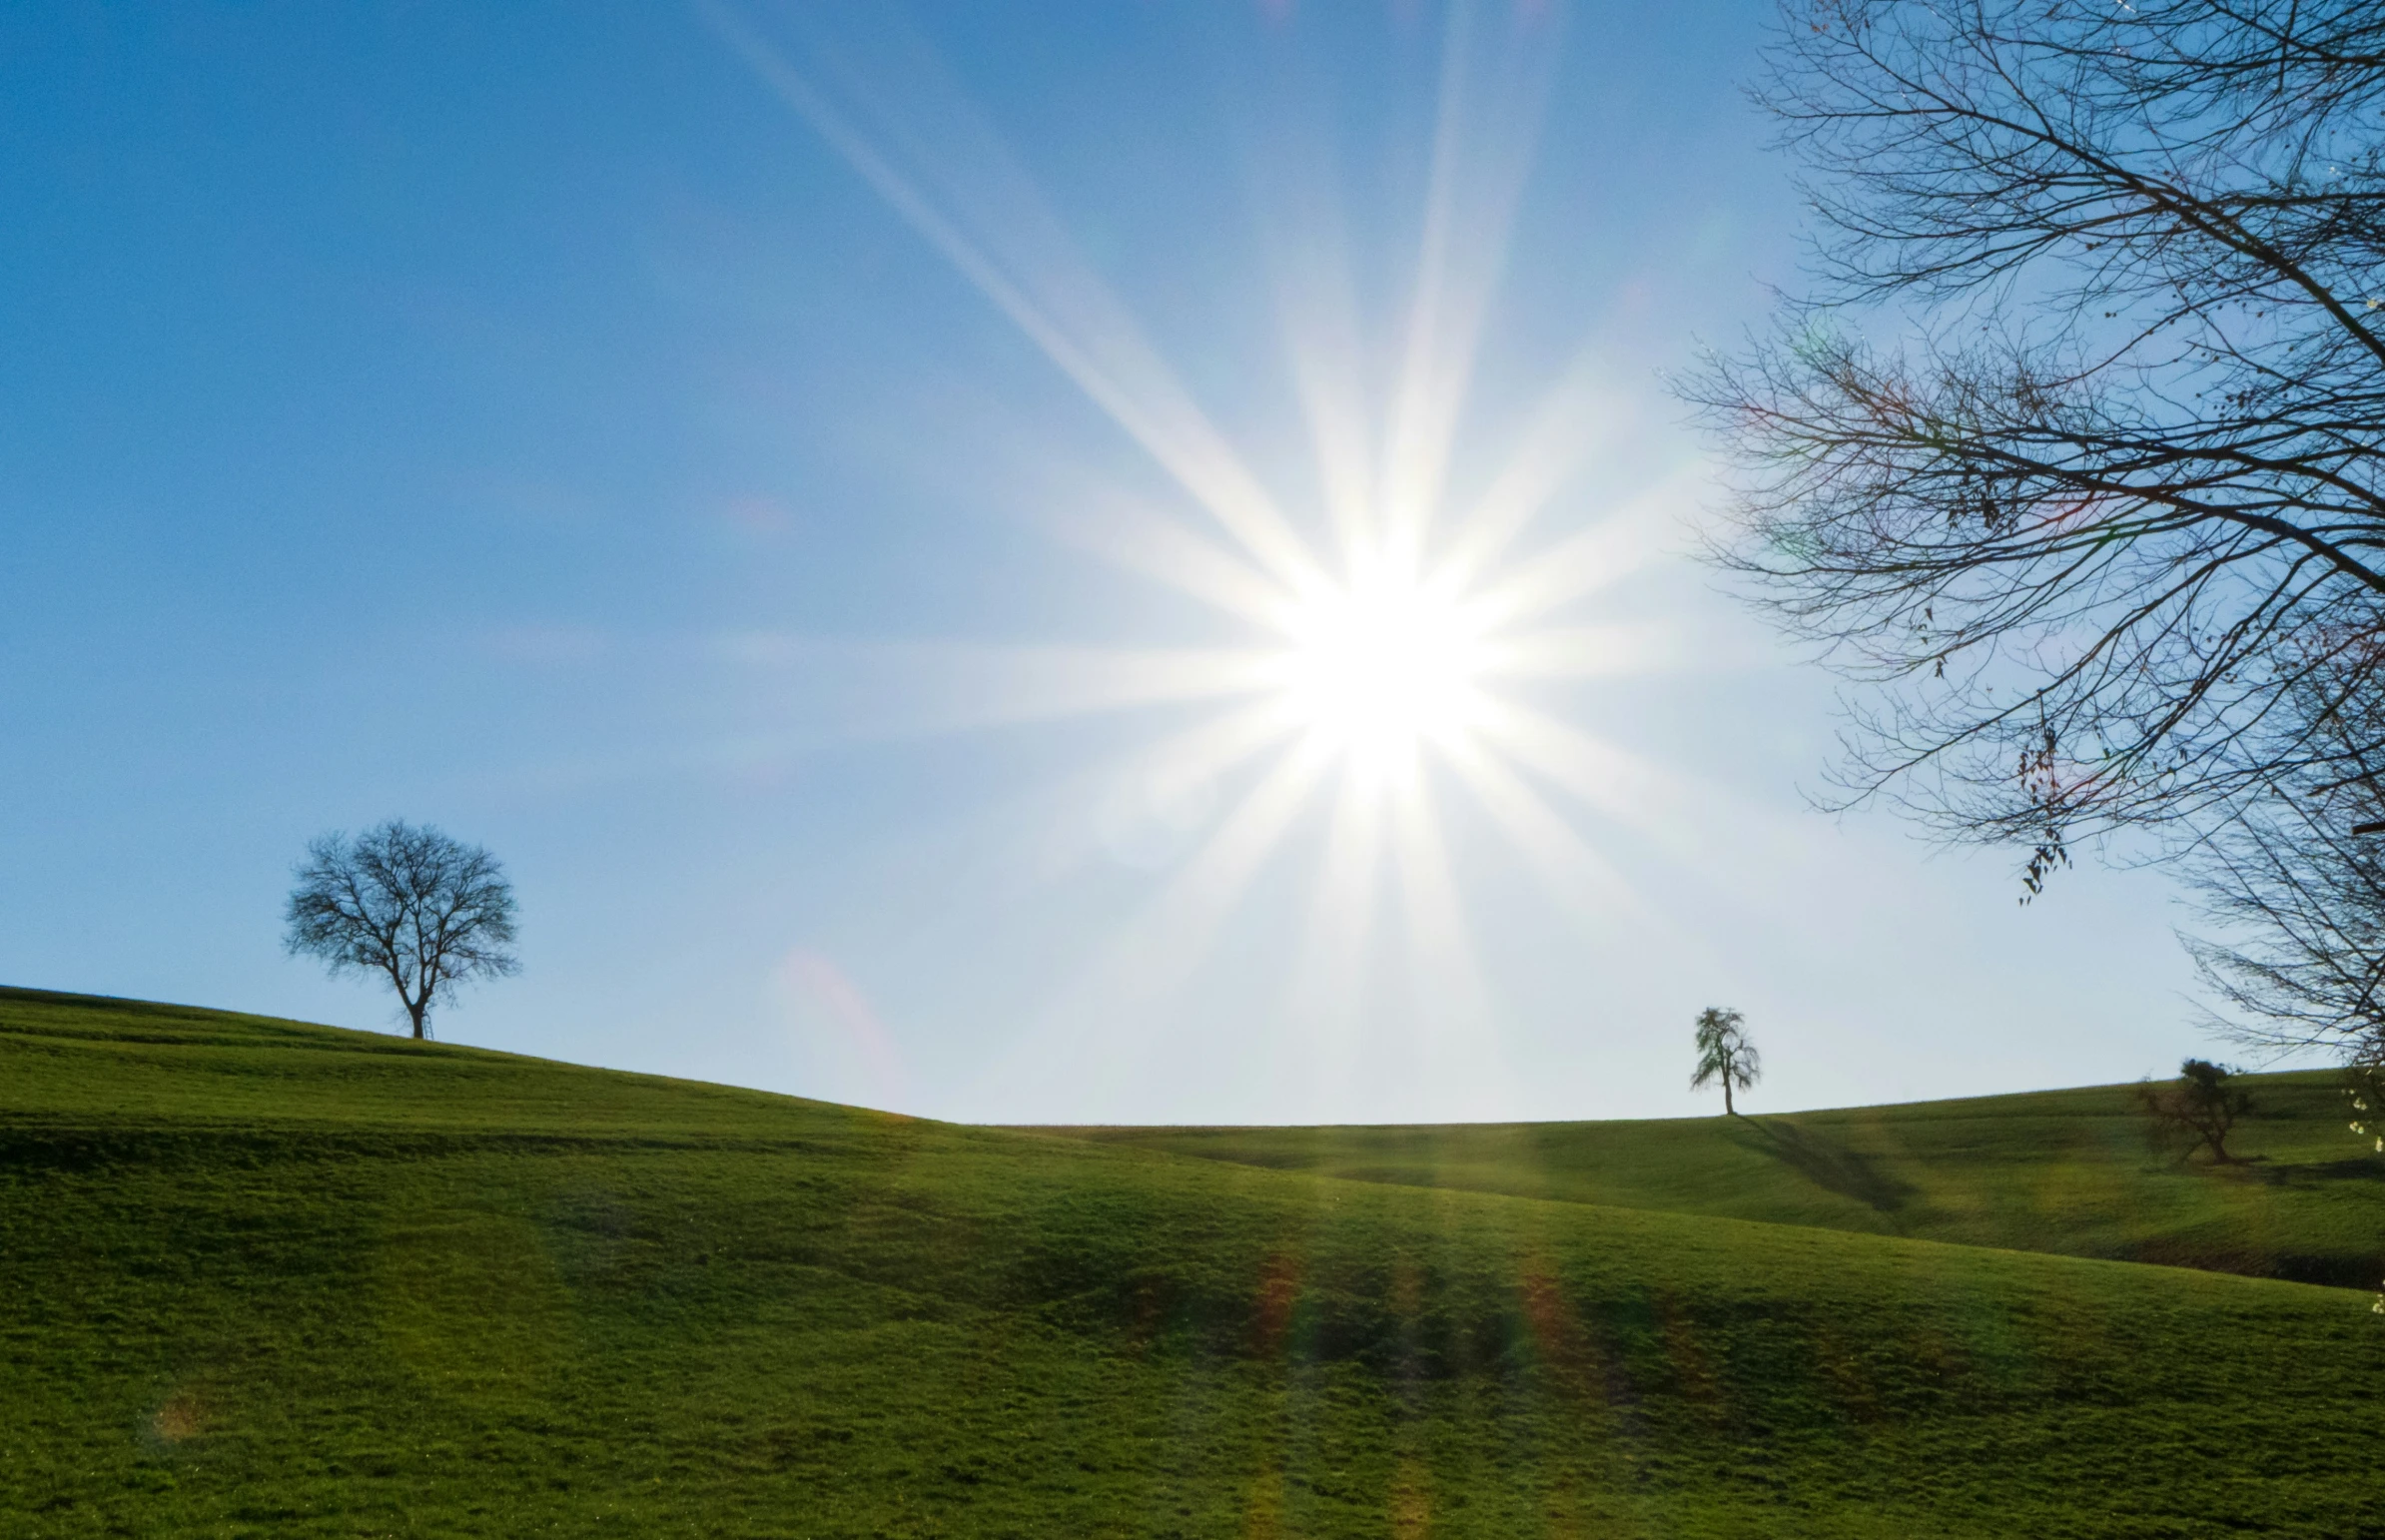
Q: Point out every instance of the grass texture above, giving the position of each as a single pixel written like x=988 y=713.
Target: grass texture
x=2068 y=1172
x=266 y=1278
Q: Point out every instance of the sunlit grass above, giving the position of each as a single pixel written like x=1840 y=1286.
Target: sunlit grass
x=263 y=1278
x=2066 y=1172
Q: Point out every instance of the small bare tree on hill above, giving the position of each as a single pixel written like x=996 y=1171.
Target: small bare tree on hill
x=2195 y=1111
x=426 y=912
x=1725 y=1054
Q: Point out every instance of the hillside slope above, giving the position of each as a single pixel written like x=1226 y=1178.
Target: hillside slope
x=263 y=1278
x=2064 y=1171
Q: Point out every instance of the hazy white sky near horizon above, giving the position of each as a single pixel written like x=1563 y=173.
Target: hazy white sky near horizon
x=709 y=456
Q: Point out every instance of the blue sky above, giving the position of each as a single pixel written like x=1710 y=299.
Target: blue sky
x=669 y=446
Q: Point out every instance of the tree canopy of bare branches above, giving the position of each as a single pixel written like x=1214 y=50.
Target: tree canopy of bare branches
x=2300 y=906
x=2296 y=892
x=410 y=905
x=2073 y=451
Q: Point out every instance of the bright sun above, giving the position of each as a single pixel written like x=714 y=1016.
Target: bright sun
x=1384 y=651
x=1381 y=665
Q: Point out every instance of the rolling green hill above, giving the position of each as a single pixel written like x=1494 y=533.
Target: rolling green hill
x=2057 y=1171
x=263 y=1278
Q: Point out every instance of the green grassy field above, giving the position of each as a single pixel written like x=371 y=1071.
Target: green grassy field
x=2057 y=1171
x=263 y=1278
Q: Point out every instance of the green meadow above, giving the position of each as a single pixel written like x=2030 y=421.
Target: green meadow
x=2057 y=1171
x=266 y=1278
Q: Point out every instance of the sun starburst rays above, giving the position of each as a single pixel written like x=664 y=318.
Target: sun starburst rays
x=1383 y=652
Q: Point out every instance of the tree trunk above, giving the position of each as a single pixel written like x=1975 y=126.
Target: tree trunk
x=418 y=1010
x=1726 y=1109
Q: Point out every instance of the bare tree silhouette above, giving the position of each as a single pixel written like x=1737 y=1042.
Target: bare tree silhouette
x=2074 y=448
x=411 y=905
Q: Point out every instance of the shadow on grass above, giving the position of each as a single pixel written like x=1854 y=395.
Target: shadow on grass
x=2206 y=1253
x=2310 y=1173
x=1832 y=1167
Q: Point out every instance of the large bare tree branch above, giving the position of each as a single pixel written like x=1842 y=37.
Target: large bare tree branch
x=2072 y=456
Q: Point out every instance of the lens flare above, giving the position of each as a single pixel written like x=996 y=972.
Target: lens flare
x=1382 y=651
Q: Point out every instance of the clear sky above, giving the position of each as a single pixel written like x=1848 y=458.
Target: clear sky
x=890 y=524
